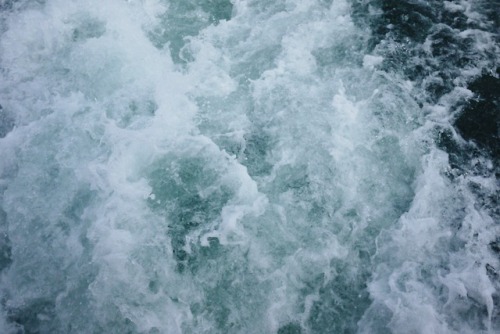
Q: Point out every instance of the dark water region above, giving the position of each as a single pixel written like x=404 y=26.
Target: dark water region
x=479 y=120
x=6 y=122
x=426 y=42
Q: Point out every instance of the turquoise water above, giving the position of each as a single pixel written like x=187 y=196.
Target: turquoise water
x=238 y=167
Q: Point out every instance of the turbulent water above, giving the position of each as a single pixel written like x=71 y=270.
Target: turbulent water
x=249 y=166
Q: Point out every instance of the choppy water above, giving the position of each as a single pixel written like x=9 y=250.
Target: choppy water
x=249 y=166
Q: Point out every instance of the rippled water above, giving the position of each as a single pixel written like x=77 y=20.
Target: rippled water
x=249 y=166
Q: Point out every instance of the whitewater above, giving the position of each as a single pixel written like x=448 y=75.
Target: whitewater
x=249 y=166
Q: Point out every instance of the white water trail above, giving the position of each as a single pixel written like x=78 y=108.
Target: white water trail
x=239 y=167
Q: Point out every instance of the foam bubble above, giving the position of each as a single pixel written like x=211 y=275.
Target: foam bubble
x=232 y=166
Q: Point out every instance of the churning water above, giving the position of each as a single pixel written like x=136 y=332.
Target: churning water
x=249 y=166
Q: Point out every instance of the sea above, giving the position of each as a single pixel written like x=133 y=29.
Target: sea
x=249 y=166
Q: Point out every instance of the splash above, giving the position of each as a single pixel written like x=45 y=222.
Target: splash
x=246 y=167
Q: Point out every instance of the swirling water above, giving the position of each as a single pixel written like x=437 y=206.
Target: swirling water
x=249 y=166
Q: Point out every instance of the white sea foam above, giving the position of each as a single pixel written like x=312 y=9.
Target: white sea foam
x=251 y=171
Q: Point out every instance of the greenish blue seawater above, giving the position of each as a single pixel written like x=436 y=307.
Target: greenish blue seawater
x=249 y=166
